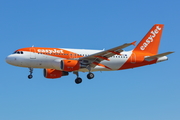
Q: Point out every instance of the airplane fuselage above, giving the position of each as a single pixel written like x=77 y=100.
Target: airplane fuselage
x=44 y=58
x=52 y=60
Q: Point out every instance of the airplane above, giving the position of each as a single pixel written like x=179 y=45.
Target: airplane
x=59 y=62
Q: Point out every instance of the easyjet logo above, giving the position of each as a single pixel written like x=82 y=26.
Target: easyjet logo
x=150 y=38
x=50 y=51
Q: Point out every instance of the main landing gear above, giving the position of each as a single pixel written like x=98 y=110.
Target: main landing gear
x=90 y=75
x=30 y=75
x=78 y=80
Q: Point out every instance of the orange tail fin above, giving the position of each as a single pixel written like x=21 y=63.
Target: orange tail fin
x=150 y=42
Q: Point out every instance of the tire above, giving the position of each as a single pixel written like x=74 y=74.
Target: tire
x=30 y=76
x=90 y=76
x=78 y=80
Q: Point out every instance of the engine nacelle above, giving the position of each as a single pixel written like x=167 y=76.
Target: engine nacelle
x=70 y=65
x=53 y=73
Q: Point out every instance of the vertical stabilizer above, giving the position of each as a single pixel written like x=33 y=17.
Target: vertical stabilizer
x=150 y=42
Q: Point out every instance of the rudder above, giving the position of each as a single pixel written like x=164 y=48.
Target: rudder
x=150 y=42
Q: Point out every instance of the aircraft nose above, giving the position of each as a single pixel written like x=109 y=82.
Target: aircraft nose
x=9 y=59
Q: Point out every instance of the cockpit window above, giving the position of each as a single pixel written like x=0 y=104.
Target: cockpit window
x=14 y=52
x=18 y=52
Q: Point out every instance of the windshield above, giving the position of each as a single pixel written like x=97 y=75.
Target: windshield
x=18 y=52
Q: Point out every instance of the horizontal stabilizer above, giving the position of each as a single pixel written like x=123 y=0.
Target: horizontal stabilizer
x=150 y=58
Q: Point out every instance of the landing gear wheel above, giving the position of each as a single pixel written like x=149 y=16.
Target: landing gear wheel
x=78 y=80
x=31 y=71
x=90 y=75
x=30 y=76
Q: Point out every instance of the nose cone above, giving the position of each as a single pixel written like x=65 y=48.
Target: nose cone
x=10 y=59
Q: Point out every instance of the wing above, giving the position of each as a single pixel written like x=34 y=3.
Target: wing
x=96 y=58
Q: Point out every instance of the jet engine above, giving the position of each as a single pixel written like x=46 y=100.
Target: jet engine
x=53 y=73
x=70 y=65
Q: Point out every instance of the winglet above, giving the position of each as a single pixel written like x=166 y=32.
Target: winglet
x=134 y=43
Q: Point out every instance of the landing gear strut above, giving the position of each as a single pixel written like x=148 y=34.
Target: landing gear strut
x=90 y=75
x=30 y=75
x=78 y=80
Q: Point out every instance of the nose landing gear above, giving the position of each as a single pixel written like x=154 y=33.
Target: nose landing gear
x=30 y=76
x=31 y=71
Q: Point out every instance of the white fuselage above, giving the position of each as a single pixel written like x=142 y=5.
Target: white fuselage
x=38 y=60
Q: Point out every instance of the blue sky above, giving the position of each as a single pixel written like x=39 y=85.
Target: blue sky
x=145 y=93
